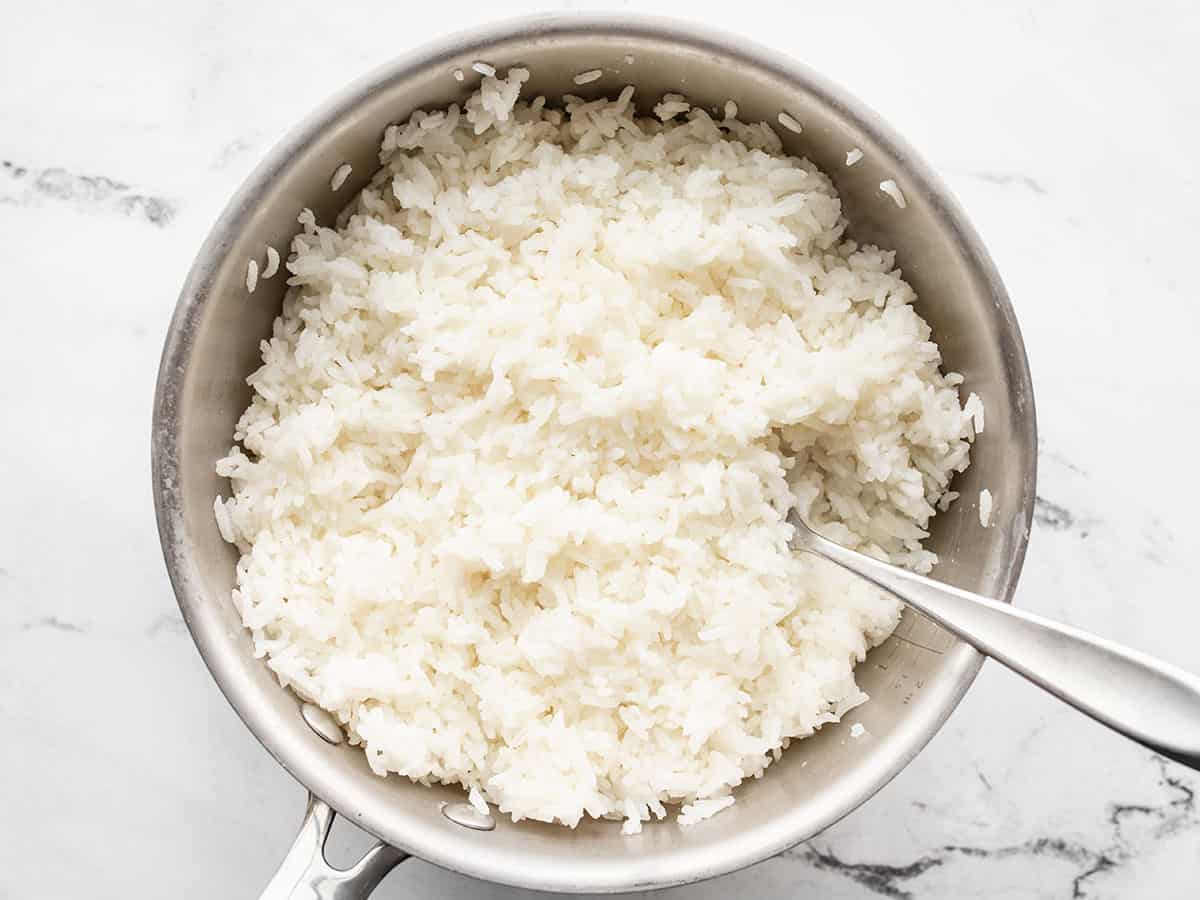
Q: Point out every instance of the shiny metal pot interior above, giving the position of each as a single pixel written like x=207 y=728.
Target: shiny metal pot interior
x=914 y=679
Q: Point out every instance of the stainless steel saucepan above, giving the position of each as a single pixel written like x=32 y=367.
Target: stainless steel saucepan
x=914 y=679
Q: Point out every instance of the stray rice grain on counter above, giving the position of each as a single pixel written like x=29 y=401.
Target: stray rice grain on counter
x=510 y=496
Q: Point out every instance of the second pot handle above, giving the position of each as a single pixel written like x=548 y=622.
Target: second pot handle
x=305 y=874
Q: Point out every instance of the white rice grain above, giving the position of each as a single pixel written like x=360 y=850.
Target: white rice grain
x=340 y=174
x=589 y=76
x=272 y=263
x=857 y=730
x=458 y=75
x=731 y=110
x=890 y=188
x=671 y=106
x=789 y=122
x=985 y=507
x=251 y=276
x=623 y=99
x=699 y=810
x=224 y=521
x=853 y=156
x=478 y=803
x=484 y=69
x=973 y=408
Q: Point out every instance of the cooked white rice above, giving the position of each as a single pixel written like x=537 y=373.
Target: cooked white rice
x=588 y=77
x=889 y=187
x=696 y=811
x=670 y=106
x=853 y=155
x=511 y=492
x=974 y=408
x=272 y=263
x=251 y=276
x=789 y=122
x=340 y=174
x=985 y=507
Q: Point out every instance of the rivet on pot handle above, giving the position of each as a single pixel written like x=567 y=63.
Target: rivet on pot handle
x=305 y=874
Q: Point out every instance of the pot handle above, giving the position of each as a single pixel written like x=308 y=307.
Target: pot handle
x=305 y=874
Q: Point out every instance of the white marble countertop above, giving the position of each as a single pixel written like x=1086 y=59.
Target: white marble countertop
x=1072 y=137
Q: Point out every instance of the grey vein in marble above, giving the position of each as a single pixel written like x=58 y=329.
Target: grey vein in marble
x=54 y=623
x=24 y=185
x=231 y=151
x=1051 y=515
x=1059 y=460
x=168 y=623
x=1176 y=815
x=1007 y=178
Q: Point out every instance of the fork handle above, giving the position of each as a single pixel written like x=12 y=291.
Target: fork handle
x=1155 y=704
